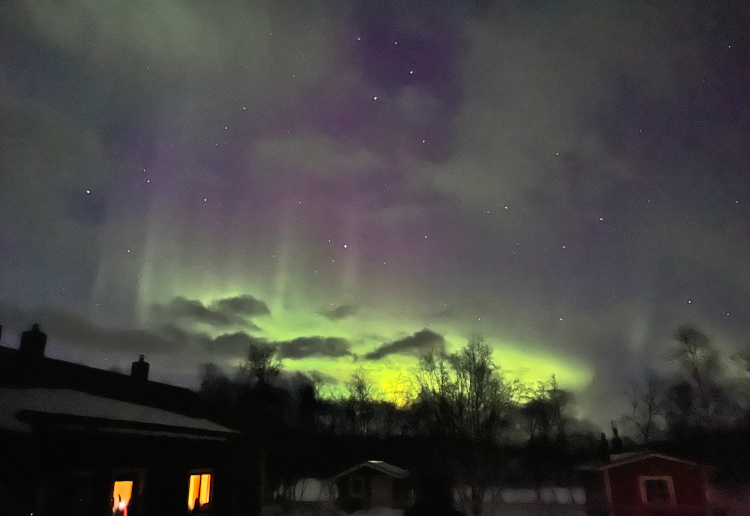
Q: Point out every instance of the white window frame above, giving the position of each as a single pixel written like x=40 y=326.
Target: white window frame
x=354 y=479
x=662 y=478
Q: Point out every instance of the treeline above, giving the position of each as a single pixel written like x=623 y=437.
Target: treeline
x=481 y=423
x=701 y=410
x=463 y=395
x=456 y=412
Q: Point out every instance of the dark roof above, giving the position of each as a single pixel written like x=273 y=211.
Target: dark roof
x=380 y=466
x=23 y=409
x=23 y=371
x=621 y=459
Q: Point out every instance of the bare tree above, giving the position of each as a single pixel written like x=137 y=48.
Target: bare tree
x=646 y=409
x=216 y=387
x=464 y=395
x=400 y=391
x=698 y=358
x=702 y=399
x=262 y=364
x=546 y=411
x=360 y=387
x=360 y=401
x=435 y=394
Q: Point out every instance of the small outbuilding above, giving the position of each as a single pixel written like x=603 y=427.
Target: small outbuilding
x=647 y=483
x=373 y=484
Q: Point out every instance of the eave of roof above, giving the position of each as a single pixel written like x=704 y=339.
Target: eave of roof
x=629 y=458
x=23 y=408
x=380 y=466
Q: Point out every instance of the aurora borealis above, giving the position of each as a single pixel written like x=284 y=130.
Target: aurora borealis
x=360 y=180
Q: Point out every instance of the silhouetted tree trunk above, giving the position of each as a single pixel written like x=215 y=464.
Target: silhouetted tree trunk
x=646 y=409
x=465 y=396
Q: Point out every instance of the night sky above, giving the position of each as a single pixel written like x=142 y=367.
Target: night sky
x=359 y=181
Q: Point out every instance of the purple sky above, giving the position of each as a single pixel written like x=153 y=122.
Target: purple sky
x=358 y=179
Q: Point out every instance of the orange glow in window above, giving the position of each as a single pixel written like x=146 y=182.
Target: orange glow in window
x=121 y=493
x=199 y=490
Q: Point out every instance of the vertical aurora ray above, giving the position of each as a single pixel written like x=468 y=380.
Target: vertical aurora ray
x=352 y=250
x=569 y=183
x=280 y=299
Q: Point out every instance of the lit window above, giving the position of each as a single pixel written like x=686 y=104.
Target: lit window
x=199 y=492
x=657 y=490
x=121 y=493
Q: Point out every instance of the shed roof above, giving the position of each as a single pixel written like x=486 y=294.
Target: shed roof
x=621 y=459
x=380 y=466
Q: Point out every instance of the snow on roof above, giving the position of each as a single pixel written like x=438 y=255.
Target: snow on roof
x=67 y=402
x=378 y=465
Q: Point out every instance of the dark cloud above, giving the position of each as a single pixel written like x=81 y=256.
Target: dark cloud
x=223 y=312
x=558 y=178
x=304 y=347
x=181 y=308
x=420 y=341
x=66 y=326
x=234 y=343
x=340 y=312
x=321 y=378
x=245 y=305
x=238 y=343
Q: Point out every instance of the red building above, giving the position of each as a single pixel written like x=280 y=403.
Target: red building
x=82 y=441
x=645 y=483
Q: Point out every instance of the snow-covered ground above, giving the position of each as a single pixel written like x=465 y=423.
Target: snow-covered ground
x=309 y=490
x=379 y=511
x=509 y=495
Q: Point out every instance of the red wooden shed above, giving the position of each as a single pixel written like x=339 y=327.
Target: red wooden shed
x=646 y=483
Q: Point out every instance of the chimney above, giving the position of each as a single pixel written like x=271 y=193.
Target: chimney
x=604 y=447
x=617 y=446
x=33 y=342
x=139 y=370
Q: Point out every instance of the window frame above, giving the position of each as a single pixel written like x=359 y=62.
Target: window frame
x=136 y=476
x=660 y=478
x=360 y=493
x=130 y=495
x=212 y=480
